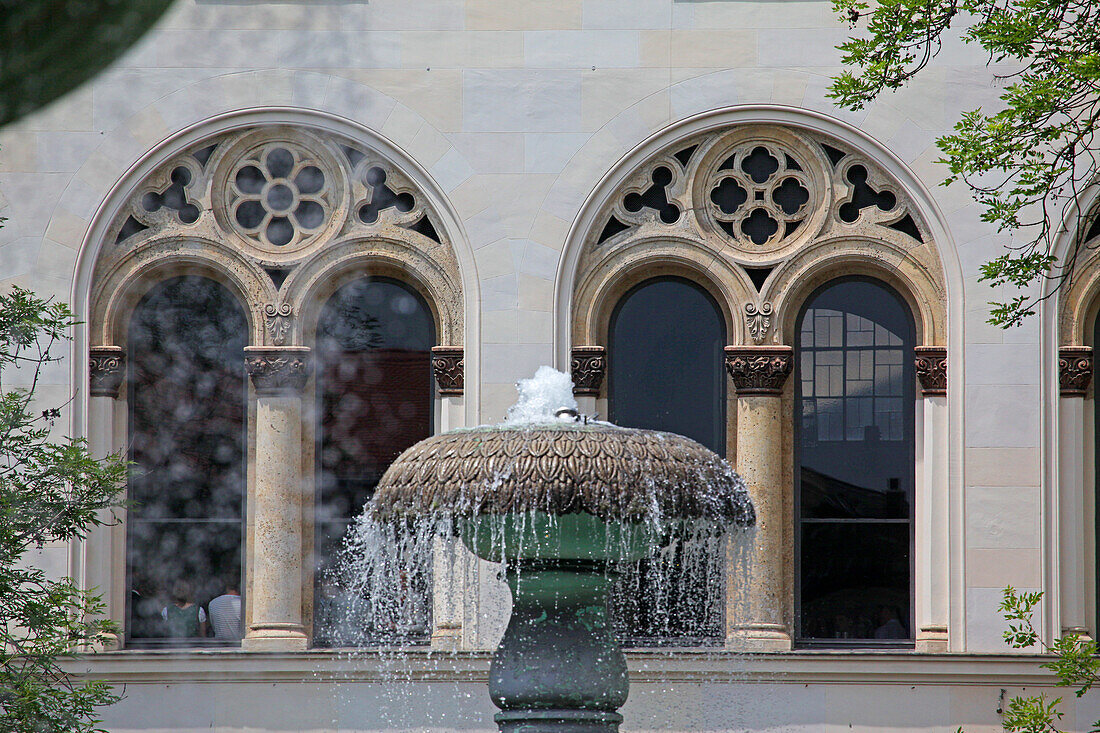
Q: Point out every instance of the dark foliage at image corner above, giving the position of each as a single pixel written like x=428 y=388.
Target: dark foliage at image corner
x=50 y=47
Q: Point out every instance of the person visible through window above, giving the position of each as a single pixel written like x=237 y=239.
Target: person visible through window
x=183 y=618
x=889 y=626
x=225 y=613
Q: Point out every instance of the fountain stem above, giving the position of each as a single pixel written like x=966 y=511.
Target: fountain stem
x=559 y=668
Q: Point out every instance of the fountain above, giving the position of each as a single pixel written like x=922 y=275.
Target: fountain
x=560 y=499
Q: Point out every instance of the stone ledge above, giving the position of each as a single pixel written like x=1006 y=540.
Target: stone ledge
x=646 y=666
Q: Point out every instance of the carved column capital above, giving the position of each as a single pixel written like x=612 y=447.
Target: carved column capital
x=277 y=370
x=449 y=366
x=106 y=367
x=587 y=366
x=1074 y=370
x=759 y=370
x=931 y=364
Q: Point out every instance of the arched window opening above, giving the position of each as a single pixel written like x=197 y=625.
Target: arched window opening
x=854 y=445
x=665 y=373
x=374 y=391
x=185 y=524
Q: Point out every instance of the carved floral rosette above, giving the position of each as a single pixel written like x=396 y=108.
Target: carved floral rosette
x=759 y=370
x=1074 y=370
x=587 y=368
x=277 y=370
x=106 y=367
x=449 y=366
x=931 y=366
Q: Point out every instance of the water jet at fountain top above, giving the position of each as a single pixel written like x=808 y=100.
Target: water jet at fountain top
x=537 y=461
x=541 y=398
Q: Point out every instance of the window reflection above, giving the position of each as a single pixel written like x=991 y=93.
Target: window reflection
x=187 y=417
x=855 y=400
x=666 y=373
x=374 y=385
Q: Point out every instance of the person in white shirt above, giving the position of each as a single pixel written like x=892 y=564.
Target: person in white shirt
x=225 y=613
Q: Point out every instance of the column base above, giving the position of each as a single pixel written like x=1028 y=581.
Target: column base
x=759 y=638
x=932 y=640
x=1079 y=631
x=447 y=638
x=275 y=638
x=558 y=721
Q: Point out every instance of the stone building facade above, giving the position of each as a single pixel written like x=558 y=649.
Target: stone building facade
x=522 y=169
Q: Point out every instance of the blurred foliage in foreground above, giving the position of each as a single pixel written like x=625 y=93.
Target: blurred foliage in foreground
x=50 y=47
x=51 y=491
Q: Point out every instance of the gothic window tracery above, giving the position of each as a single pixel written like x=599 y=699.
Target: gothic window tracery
x=758 y=201
x=285 y=221
x=261 y=204
x=769 y=215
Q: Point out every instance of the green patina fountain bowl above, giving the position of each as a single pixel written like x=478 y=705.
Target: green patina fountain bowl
x=563 y=468
x=560 y=503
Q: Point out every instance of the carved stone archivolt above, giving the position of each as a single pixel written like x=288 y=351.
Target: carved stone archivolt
x=931 y=367
x=587 y=366
x=759 y=370
x=758 y=211
x=1074 y=370
x=276 y=371
x=449 y=367
x=253 y=207
x=106 y=368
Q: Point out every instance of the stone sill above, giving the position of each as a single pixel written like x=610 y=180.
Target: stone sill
x=646 y=666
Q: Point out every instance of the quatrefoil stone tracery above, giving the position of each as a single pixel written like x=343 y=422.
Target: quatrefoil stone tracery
x=760 y=194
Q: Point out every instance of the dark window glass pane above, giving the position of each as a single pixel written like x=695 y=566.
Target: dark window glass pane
x=855 y=581
x=665 y=354
x=187 y=417
x=855 y=396
x=374 y=344
x=666 y=373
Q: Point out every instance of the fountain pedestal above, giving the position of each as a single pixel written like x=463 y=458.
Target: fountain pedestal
x=559 y=668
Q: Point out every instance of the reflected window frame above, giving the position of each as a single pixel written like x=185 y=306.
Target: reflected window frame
x=909 y=397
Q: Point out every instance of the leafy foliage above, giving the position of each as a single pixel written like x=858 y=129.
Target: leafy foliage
x=1032 y=164
x=51 y=491
x=1075 y=664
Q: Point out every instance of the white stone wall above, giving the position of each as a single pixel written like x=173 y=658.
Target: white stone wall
x=517 y=110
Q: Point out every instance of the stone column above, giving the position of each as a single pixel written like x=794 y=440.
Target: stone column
x=449 y=367
x=1074 y=376
x=931 y=565
x=757 y=618
x=278 y=376
x=588 y=366
x=449 y=558
x=106 y=367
